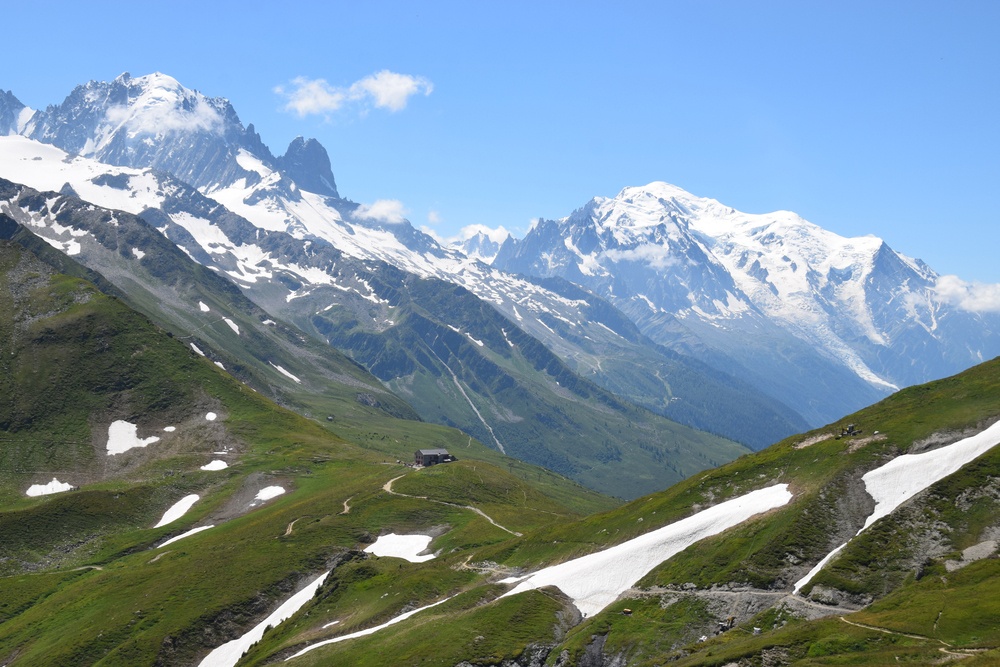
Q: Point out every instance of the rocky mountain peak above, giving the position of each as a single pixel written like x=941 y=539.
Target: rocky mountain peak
x=307 y=163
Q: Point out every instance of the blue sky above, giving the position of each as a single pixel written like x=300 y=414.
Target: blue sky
x=863 y=117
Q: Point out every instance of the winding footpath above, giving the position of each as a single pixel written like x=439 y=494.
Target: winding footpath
x=387 y=487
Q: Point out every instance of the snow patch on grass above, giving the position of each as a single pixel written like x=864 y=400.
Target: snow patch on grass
x=402 y=546
x=177 y=510
x=55 y=486
x=123 y=436
x=230 y=653
x=596 y=580
x=269 y=492
x=284 y=372
x=215 y=465
x=183 y=535
x=905 y=476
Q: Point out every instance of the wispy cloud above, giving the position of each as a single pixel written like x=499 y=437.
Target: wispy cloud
x=382 y=90
x=975 y=297
x=383 y=210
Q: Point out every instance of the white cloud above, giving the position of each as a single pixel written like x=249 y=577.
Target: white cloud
x=391 y=90
x=975 y=297
x=383 y=90
x=433 y=217
x=656 y=256
x=163 y=116
x=314 y=96
x=498 y=235
x=383 y=210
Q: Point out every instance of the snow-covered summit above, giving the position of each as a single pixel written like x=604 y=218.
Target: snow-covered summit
x=657 y=251
x=150 y=121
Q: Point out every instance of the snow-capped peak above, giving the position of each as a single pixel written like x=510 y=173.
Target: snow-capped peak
x=155 y=105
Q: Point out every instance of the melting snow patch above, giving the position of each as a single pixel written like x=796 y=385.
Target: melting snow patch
x=596 y=580
x=183 y=535
x=219 y=364
x=284 y=372
x=202 y=307
x=55 y=486
x=195 y=348
x=211 y=416
x=232 y=325
x=169 y=429
x=230 y=653
x=369 y=631
x=122 y=436
x=269 y=492
x=215 y=465
x=402 y=546
x=138 y=253
x=177 y=510
x=905 y=476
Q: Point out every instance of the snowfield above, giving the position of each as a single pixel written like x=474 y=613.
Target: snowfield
x=596 y=580
x=178 y=509
x=269 y=492
x=230 y=653
x=55 y=486
x=401 y=546
x=183 y=535
x=905 y=476
x=369 y=631
x=123 y=436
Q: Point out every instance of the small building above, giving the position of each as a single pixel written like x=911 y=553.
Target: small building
x=428 y=457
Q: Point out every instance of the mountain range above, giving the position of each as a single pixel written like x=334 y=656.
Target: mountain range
x=214 y=372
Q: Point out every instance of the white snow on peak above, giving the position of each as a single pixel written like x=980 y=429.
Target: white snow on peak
x=402 y=546
x=809 y=280
x=596 y=580
x=47 y=168
x=252 y=163
x=163 y=106
x=123 y=436
x=178 y=509
x=55 y=486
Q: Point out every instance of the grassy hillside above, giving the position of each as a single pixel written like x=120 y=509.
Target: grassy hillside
x=83 y=579
x=904 y=588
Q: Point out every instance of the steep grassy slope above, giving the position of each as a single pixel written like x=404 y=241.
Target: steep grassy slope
x=908 y=588
x=83 y=579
